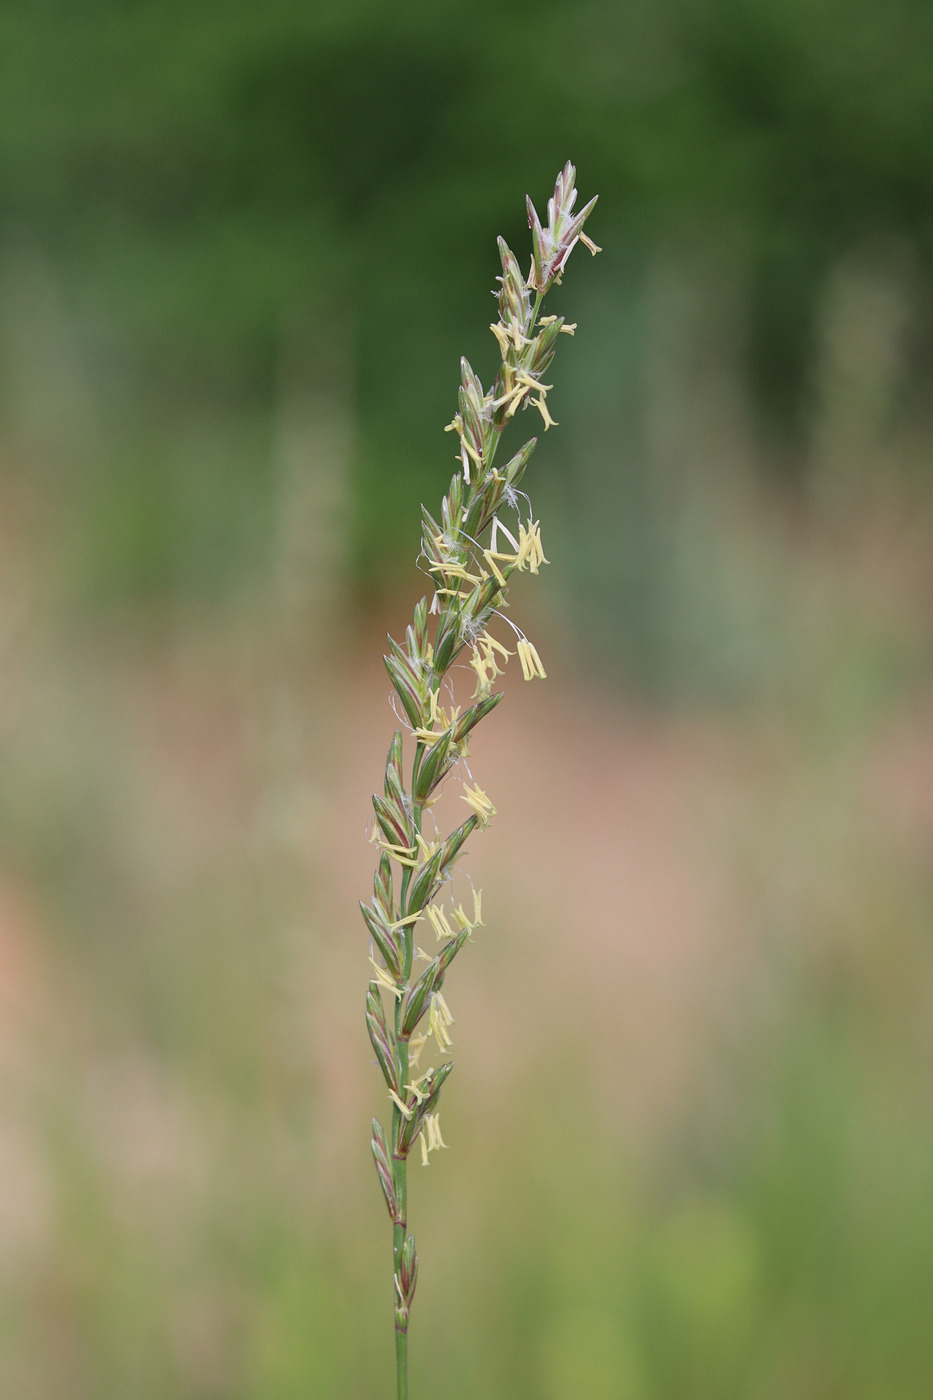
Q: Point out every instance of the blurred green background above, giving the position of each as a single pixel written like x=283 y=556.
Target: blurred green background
x=242 y=248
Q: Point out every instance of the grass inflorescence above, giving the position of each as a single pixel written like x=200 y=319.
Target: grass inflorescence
x=484 y=533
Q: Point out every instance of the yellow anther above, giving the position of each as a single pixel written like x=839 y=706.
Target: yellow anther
x=385 y=980
x=461 y=917
x=439 y=922
x=475 y=797
x=402 y=1107
x=430 y=1136
x=439 y=1018
x=501 y=334
x=468 y=447
x=530 y=552
x=415 y=1086
x=403 y=854
x=530 y=382
x=483 y=663
x=403 y=923
x=530 y=661
x=432 y=1122
x=491 y=561
x=489 y=640
x=541 y=405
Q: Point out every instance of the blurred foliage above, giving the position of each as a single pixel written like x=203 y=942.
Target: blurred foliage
x=779 y=1242
x=201 y=178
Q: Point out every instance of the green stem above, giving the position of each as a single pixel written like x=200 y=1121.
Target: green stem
x=401 y=1363
x=400 y=1164
x=398 y=1239
x=400 y=1181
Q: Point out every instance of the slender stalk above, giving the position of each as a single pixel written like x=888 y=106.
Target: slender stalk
x=400 y=1176
x=401 y=1333
x=469 y=568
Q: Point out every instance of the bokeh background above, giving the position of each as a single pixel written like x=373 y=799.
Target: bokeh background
x=242 y=248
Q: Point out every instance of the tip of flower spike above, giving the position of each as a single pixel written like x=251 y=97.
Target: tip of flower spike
x=553 y=243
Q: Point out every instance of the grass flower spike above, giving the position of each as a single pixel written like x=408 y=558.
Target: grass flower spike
x=484 y=533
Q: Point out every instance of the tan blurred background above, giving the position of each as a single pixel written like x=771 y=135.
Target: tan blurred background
x=241 y=251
